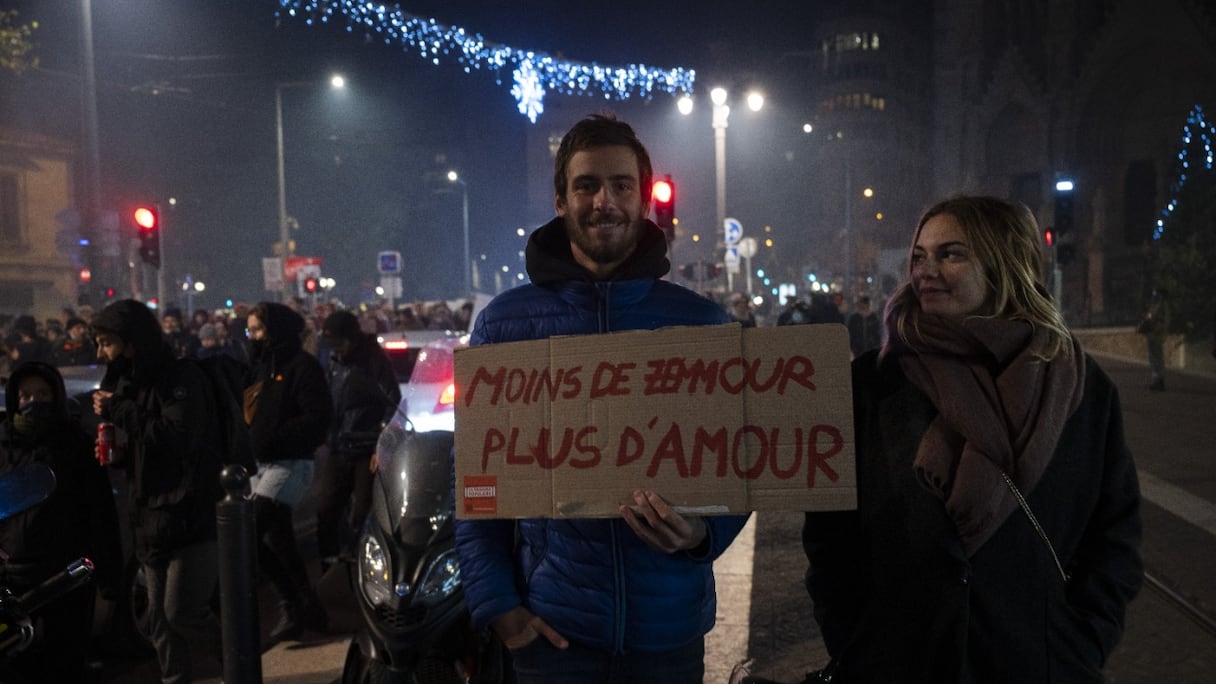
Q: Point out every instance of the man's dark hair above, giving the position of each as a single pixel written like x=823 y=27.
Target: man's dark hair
x=342 y=325
x=601 y=130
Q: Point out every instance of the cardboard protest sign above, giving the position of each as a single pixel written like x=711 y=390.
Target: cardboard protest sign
x=716 y=419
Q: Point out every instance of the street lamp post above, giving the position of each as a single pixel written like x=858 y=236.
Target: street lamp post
x=285 y=249
x=454 y=177
x=721 y=119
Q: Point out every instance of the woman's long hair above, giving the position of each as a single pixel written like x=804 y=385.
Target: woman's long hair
x=1006 y=241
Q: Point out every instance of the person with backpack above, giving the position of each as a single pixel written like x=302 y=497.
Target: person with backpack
x=168 y=442
x=288 y=408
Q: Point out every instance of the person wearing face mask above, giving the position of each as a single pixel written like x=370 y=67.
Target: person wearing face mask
x=997 y=534
x=288 y=409
x=77 y=519
x=365 y=395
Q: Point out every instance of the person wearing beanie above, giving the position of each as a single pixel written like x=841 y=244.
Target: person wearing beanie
x=365 y=395
x=168 y=442
x=288 y=408
x=75 y=349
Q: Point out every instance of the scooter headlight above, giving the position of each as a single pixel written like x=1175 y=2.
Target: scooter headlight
x=374 y=572
x=441 y=581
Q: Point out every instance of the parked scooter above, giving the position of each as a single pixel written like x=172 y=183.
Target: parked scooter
x=406 y=575
x=22 y=488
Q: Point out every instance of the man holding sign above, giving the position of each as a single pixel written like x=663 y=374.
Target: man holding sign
x=619 y=599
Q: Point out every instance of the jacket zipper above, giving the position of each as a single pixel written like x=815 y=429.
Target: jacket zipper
x=618 y=578
x=602 y=291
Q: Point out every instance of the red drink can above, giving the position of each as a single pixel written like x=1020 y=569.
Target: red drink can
x=105 y=443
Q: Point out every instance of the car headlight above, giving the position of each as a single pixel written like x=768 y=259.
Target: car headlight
x=374 y=571
x=441 y=580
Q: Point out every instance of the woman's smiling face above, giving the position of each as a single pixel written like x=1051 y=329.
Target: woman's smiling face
x=945 y=275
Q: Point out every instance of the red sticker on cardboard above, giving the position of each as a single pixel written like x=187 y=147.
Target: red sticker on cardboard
x=481 y=494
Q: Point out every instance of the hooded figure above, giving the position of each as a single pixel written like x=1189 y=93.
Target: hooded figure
x=366 y=395
x=169 y=442
x=288 y=409
x=77 y=519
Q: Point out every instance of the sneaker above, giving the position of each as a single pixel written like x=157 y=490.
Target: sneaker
x=289 y=627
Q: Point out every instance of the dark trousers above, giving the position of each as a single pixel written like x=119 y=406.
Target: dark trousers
x=179 y=609
x=339 y=476
x=540 y=662
x=278 y=555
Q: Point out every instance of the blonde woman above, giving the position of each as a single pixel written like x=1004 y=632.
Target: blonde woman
x=980 y=396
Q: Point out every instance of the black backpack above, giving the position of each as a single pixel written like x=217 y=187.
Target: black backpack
x=227 y=379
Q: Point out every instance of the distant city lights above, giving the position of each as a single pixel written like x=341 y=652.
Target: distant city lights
x=533 y=74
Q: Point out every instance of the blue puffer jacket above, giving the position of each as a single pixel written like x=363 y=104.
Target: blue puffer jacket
x=593 y=581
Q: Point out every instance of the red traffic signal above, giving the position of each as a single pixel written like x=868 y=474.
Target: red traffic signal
x=147 y=220
x=663 y=198
x=310 y=285
x=662 y=192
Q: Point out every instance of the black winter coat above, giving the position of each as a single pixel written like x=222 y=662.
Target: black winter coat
x=293 y=403
x=168 y=435
x=78 y=518
x=899 y=601
x=365 y=393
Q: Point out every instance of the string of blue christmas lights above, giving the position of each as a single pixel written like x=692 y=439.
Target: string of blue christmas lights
x=1206 y=131
x=534 y=74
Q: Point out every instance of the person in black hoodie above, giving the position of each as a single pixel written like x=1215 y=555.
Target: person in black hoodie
x=77 y=519
x=168 y=442
x=365 y=394
x=288 y=408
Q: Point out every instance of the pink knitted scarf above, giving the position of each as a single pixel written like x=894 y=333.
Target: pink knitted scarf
x=1000 y=409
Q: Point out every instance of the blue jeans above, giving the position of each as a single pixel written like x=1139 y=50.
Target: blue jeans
x=179 y=609
x=540 y=662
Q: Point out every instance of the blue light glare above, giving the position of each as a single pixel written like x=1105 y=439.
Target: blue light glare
x=1194 y=120
x=533 y=74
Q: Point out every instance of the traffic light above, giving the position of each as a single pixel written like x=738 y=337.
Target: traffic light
x=1064 y=221
x=663 y=198
x=311 y=284
x=1063 y=207
x=147 y=220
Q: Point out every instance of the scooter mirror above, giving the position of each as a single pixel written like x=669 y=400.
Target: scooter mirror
x=24 y=487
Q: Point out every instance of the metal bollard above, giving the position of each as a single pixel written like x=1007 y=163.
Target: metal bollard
x=237 y=544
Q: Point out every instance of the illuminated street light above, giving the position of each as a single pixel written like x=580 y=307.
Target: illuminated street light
x=336 y=82
x=721 y=116
x=454 y=177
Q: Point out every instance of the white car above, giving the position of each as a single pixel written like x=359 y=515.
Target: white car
x=428 y=400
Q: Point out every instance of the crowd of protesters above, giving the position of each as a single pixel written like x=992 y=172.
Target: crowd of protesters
x=67 y=339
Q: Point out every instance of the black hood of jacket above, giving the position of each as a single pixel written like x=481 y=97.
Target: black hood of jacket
x=550 y=261
x=48 y=373
x=284 y=338
x=284 y=329
x=136 y=325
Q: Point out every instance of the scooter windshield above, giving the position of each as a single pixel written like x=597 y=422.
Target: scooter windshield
x=414 y=470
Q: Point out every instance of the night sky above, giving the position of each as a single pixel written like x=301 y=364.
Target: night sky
x=185 y=103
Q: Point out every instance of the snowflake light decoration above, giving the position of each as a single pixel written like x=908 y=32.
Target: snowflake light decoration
x=528 y=92
x=534 y=74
